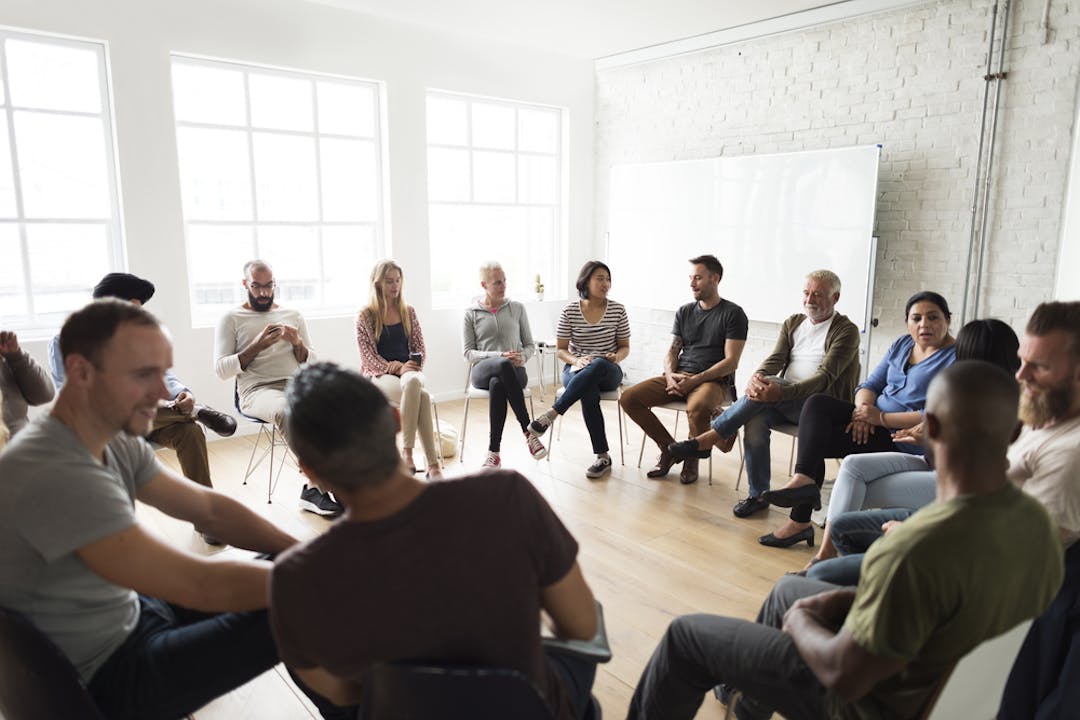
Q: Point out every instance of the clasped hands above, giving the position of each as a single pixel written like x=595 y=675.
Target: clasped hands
x=828 y=608
x=680 y=384
x=584 y=361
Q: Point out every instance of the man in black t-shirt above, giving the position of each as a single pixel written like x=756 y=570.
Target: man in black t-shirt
x=707 y=342
x=455 y=572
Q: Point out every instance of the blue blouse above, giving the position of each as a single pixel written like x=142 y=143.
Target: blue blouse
x=905 y=391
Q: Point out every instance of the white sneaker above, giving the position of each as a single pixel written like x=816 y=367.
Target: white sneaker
x=492 y=460
x=600 y=468
x=540 y=425
x=536 y=448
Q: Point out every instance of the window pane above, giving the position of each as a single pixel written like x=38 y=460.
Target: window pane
x=281 y=103
x=285 y=177
x=7 y=177
x=448 y=175
x=538 y=131
x=294 y=253
x=493 y=177
x=346 y=109
x=66 y=261
x=463 y=236
x=216 y=257
x=536 y=175
x=447 y=121
x=214 y=174
x=48 y=76
x=493 y=126
x=208 y=95
x=349 y=180
x=348 y=256
x=62 y=166
x=12 y=287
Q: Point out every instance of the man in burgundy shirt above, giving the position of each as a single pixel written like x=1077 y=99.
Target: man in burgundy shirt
x=454 y=572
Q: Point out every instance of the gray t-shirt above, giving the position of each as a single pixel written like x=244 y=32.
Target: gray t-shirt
x=54 y=499
x=704 y=332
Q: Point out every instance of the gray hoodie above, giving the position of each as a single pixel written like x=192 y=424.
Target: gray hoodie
x=487 y=334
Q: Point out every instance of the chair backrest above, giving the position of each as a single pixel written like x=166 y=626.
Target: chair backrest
x=404 y=691
x=37 y=681
x=976 y=684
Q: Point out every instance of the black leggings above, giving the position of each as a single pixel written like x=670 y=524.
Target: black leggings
x=504 y=381
x=822 y=436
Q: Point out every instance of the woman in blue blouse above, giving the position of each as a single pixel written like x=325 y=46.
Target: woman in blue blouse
x=891 y=399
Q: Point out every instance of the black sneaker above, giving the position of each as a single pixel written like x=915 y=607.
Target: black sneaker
x=600 y=468
x=539 y=426
x=320 y=503
x=749 y=506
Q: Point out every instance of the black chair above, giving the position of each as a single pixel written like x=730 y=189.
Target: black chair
x=401 y=691
x=37 y=681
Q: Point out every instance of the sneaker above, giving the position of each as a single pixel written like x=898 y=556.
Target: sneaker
x=320 y=503
x=600 y=468
x=492 y=460
x=539 y=426
x=536 y=448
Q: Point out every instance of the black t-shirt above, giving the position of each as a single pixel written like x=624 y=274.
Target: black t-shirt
x=393 y=344
x=704 y=332
x=453 y=577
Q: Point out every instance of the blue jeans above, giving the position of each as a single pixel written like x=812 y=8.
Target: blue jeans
x=586 y=385
x=757 y=420
x=177 y=660
x=853 y=533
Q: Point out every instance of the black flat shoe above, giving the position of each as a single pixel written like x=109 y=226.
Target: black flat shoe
x=685 y=449
x=771 y=540
x=793 y=497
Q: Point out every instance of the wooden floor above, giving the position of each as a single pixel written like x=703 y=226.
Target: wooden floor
x=651 y=550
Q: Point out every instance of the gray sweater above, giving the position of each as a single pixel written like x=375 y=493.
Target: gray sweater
x=23 y=383
x=487 y=334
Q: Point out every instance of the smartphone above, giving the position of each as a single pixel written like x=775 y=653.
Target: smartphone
x=416 y=357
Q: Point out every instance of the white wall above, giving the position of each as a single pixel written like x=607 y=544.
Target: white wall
x=910 y=79
x=288 y=33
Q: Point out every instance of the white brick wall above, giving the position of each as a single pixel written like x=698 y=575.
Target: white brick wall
x=909 y=79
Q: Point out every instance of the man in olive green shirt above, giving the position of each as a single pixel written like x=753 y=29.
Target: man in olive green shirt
x=930 y=591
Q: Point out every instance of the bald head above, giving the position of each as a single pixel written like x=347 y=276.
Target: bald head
x=972 y=405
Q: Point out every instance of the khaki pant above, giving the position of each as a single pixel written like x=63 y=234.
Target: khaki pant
x=414 y=403
x=639 y=400
x=180 y=432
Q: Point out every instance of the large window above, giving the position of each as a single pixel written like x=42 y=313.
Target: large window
x=59 y=208
x=283 y=166
x=495 y=192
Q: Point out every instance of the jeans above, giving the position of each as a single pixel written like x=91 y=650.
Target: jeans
x=757 y=420
x=853 y=533
x=585 y=385
x=699 y=652
x=177 y=660
x=577 y=675
x=882 y=480
x=504 y=382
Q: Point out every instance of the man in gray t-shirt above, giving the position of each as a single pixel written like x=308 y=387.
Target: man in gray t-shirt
x=133 y=614
x=707 y=342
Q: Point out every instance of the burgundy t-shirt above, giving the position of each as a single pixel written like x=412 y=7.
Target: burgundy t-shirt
x=454 y=577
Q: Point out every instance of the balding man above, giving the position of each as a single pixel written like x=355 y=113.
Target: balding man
x=885 y=646
x=261 y=344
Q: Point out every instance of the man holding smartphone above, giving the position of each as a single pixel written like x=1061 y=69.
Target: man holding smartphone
x=261 y=345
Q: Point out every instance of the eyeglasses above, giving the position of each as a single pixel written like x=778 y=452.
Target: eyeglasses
x=258 y=289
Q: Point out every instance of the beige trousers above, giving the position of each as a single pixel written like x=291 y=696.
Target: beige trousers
x=413 y=401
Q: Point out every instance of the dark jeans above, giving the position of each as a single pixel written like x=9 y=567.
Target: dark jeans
x=853 y=533
x=1043 y=682
x=577 y=675
x=177 y=660
x=699 y=652
x=586 y=385
x=822 y=436
x=505 y=382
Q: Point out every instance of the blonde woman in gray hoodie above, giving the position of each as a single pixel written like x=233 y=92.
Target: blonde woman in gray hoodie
x=498 y=343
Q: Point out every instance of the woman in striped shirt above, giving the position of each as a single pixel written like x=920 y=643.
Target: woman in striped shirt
x=593 y=338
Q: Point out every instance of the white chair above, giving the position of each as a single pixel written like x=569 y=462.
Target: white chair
x=475 y=393
x=789 y=429
x=974 y=687
x=605 y=396
x=273 y=442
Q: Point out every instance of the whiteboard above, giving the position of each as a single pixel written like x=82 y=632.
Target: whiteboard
x=770 y=219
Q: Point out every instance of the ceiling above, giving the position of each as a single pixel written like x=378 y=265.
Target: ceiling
x=580 y=28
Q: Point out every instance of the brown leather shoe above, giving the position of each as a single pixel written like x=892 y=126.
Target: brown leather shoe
x=689 y=474
x=663 y=466
x=725 y=443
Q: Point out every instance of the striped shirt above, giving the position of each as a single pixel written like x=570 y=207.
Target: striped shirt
x=588 y=339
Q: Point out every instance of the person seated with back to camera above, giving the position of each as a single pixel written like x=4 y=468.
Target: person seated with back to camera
x=592 y=338
x=392 y=355
x=498 y=342
x=892 y=398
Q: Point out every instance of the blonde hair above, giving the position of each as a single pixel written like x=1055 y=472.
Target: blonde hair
x=488 y=269
x=376 y=307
